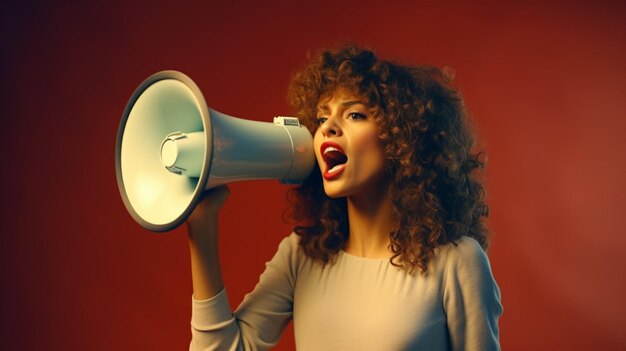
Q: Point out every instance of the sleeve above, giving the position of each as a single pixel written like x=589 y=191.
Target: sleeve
x=262 y=316
x=471 y=298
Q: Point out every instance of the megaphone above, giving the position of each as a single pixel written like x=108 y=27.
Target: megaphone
x=171 y=147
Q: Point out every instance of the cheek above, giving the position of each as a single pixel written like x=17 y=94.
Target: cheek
x=373 y=146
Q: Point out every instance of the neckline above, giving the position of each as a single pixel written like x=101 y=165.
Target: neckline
x=369 y=259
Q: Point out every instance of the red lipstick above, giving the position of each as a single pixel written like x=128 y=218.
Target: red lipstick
x=335 y=159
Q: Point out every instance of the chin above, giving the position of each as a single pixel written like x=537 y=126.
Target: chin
x=333 y=192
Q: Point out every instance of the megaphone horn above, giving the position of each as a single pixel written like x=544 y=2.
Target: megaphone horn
x=171 y=147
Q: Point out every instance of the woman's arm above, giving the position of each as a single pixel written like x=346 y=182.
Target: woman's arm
x=202 y=230
x=259 y=321
x=213 y=326
x=471 y=298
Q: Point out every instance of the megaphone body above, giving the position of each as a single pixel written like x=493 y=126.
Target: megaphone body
x=171 y=147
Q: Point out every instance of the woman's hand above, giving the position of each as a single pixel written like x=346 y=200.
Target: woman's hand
x=207 y=210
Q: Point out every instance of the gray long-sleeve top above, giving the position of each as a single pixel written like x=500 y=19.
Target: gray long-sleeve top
x=359 y=303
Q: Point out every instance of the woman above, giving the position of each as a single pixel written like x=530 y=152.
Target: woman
x=389 y=251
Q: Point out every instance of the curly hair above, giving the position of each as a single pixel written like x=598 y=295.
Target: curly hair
x=435 y=188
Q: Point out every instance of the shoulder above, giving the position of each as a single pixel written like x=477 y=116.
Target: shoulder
x=290 y=244
x=289 y=256
x=465 y=250
x=465 y=260
x=293 y=240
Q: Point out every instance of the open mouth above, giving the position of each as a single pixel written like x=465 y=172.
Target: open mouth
x=334 y=157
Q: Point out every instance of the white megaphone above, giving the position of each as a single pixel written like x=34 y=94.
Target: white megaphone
x=171 y=147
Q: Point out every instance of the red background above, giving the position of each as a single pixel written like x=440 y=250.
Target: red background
x=545 y=83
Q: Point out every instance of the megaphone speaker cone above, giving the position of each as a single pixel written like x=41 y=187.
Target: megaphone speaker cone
x=171 y=147
x=158 y=199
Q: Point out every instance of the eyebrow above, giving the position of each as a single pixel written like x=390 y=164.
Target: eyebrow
x=344 y=104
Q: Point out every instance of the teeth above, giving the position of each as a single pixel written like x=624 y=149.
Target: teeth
x=329 y=149
x=336 y=168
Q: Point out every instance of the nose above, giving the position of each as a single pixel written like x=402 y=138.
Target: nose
x=330 y=128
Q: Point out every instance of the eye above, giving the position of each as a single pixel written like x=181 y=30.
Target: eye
x=357 y=115
x=320 y=120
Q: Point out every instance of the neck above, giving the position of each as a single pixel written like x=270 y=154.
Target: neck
x=371 y=220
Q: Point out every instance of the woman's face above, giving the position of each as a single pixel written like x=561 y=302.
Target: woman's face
x=347 y=147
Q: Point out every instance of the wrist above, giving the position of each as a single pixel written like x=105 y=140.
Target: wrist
x=200 y=229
